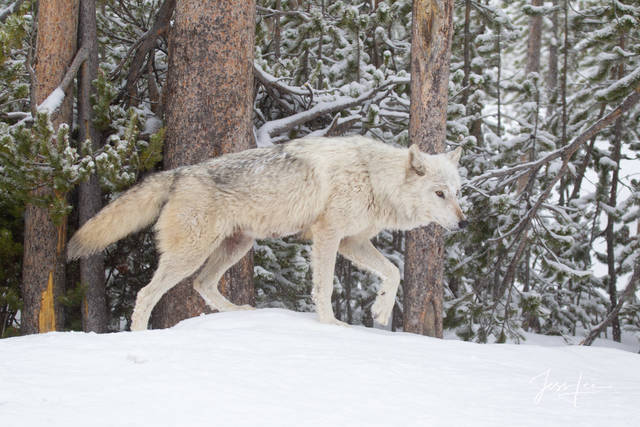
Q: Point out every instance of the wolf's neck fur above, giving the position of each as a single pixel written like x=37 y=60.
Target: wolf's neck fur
x=386 y=182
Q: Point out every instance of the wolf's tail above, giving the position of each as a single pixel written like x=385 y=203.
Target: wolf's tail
x=132 y=211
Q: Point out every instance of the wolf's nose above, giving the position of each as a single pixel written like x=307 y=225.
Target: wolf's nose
x=463 y=223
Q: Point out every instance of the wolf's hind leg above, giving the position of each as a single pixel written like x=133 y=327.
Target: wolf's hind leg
x=171 y=270
x=230 y=251
x=323 y=259
x=363 y=254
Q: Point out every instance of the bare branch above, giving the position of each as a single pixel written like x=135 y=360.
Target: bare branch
x=55 y=98
x=268 y=12
x=268 y=80
x=123 y=61
x=147 y=43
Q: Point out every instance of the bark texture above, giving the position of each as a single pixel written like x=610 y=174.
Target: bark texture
x=534 y=41
x=208 y=113
x=533 y=66
x=43 y=263
x=552 y=77
x=94 y=307
x=432 y=29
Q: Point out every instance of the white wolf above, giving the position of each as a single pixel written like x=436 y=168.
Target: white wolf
x=339 y=192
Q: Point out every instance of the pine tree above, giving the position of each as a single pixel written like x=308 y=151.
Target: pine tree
x=44 y=240
x=217 y=121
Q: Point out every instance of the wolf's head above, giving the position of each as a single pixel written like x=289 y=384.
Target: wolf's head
x=434 y=182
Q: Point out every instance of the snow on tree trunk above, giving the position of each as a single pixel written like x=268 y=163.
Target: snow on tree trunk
x=44 y=241
x=208 y=114
x=432 y=29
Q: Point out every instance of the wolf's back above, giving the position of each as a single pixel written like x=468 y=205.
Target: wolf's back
x=134 y=210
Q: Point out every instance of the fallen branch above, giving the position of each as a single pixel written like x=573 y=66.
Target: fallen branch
x=339 y=125
x=268 y=13
x=268 y=80
x=269 y=129
x=626 y=295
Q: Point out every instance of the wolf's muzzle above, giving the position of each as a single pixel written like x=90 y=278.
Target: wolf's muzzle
x=463 y=223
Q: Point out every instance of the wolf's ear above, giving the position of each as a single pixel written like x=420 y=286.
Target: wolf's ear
x=416 y=160
x=454 y=155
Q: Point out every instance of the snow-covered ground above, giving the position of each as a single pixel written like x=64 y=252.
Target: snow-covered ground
x=273 y=367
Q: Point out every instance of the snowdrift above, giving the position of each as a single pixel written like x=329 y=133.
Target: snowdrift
x=277 y=368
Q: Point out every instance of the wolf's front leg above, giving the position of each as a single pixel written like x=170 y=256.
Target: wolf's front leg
x=360 y=251
x=323 y=259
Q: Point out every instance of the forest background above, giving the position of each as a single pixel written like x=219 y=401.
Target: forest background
x=542 y=96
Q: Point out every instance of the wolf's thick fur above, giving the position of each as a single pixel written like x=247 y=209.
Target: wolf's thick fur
x=339 y=192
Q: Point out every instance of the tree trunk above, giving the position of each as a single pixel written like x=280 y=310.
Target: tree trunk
x=612 y=278
x=552 y=77
x=432 y=29
x=466 y=52
x=534 y=41
x=472 y=108
x=563 y=90
x=533 y=66
x=276 y=31
x=44 y=241
x=627 y=294
x=208 y=113
x=94 y=304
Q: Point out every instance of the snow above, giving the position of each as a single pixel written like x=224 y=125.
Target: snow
x=627 y=81
x=152 y=125
x=8 y=10
x=53 y=101
x=273 y=367
x=565 y=268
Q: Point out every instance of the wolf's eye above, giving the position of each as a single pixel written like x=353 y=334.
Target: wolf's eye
x=440 y=194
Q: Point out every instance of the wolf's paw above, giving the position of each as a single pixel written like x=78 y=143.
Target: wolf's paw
x=137 y=323
x=233 y=307
x=331 y=320
x=383 y=307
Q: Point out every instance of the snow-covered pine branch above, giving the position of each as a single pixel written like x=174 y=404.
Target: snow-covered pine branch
x=566 y=151
x=10 y=10
x=628 y=292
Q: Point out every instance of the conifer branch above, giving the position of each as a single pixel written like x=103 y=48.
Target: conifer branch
x=569 y=150
x=10 y=10
x=626 y=295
